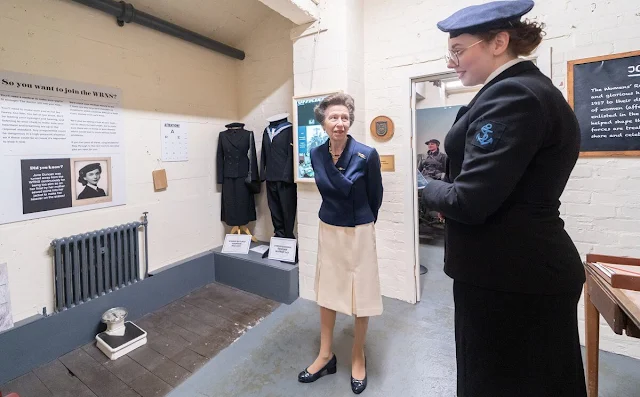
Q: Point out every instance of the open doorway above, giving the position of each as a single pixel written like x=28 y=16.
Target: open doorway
x=435 y=102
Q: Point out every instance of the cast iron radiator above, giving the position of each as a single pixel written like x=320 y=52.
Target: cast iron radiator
x=93 y=264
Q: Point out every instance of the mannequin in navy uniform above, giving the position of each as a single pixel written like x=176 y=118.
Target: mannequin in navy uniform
x=238 y=203
x=517 y=274
x=276 y=168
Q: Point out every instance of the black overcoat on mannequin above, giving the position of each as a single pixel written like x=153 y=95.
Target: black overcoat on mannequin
x=276 y=168
x=236 y=156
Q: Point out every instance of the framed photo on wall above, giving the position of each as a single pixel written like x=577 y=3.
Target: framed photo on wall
x=308 y=134
x=91 y=181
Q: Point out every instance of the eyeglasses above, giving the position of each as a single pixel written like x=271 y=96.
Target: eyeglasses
x=454 y=55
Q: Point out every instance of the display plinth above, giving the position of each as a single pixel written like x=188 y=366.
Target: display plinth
x=261 y=276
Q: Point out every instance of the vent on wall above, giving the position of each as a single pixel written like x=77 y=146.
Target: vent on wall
x=93 y=264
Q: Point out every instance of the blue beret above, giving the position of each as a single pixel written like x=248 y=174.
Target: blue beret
x=483 y=17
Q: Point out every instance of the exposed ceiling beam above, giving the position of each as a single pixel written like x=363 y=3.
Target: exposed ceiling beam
x=298 y=11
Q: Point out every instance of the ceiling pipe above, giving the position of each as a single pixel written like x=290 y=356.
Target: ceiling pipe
x=126 y=13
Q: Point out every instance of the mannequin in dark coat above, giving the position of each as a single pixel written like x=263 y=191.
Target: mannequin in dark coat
x=233 y=155
x=276 y=167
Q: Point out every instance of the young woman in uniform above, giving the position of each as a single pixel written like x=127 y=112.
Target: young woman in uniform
x=517 y=274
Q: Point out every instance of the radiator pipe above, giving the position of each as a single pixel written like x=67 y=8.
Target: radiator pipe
x=145 y=222
x=125 y=12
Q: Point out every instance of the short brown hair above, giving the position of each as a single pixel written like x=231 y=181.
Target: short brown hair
x=524 y=37
x=335 y=99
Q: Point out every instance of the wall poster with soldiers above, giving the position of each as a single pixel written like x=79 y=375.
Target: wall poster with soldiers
x=308 y=133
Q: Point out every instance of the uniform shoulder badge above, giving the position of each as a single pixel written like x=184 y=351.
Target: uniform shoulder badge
x=487 y=134
x=362 y=155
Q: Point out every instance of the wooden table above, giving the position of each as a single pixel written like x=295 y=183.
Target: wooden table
x=619 y=307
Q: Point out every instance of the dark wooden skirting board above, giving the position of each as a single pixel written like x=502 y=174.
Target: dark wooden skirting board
x=182 y=337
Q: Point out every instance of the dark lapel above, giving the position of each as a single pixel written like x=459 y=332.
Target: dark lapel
x=281 y=128
x=345 y=159
x=514 y=70
x=335 y=176
x=461 y=112
x=235 y=136
x=265 y=138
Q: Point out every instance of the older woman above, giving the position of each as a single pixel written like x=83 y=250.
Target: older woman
x=517 y=274
x=348 y=177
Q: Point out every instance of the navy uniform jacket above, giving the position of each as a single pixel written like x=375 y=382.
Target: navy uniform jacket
x=232 y=159
x=511 y=152
x=351 y=189
x=276 y=159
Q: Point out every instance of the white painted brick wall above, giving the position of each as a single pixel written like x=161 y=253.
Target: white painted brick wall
x=161 y=77
x=600 y=205
x=265 y=88
x=326 y=62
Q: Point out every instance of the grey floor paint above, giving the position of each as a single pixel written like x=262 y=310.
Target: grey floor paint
x=410 y=352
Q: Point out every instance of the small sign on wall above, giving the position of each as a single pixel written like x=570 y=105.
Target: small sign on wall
x=175 y=141
x=159 y=180
x=388 y=163
x=382 y=128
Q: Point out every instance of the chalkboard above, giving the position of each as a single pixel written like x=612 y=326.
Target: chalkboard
x=605 y=95
x=307 y=134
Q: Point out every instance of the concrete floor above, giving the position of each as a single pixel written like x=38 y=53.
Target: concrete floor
x=410 y=352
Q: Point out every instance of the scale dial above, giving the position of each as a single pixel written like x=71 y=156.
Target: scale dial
x=115 y=315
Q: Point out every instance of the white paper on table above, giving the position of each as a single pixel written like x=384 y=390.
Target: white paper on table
x=261 y=249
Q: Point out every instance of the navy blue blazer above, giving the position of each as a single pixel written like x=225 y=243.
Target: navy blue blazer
x=511 y=152
x=351 y=189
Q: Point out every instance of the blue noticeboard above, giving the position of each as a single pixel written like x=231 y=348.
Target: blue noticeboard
x=308 y=134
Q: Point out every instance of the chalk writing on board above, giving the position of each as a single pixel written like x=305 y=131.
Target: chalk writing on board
x=615 y=112
x=604 y=92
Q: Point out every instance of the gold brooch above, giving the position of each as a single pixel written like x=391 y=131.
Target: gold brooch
x=362 y=155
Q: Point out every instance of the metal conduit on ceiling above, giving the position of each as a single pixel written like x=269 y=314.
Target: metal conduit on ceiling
x=126 y=13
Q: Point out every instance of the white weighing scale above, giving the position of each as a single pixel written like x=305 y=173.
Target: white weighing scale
x=120 y=337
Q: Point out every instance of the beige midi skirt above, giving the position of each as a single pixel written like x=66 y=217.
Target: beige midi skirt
x=347 y=278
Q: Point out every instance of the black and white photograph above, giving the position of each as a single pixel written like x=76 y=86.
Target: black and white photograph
x=92 y=180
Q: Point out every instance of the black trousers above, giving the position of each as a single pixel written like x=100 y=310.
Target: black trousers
x=282 y=198
x=511 y=344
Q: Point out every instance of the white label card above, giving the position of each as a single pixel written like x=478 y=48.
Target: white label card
x=236 y=244
x=283 y=249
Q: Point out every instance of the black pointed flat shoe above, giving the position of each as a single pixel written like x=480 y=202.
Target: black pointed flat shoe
x=329 y=369
x=358 y=386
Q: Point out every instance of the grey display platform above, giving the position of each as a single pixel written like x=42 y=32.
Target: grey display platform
x=268 y=278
